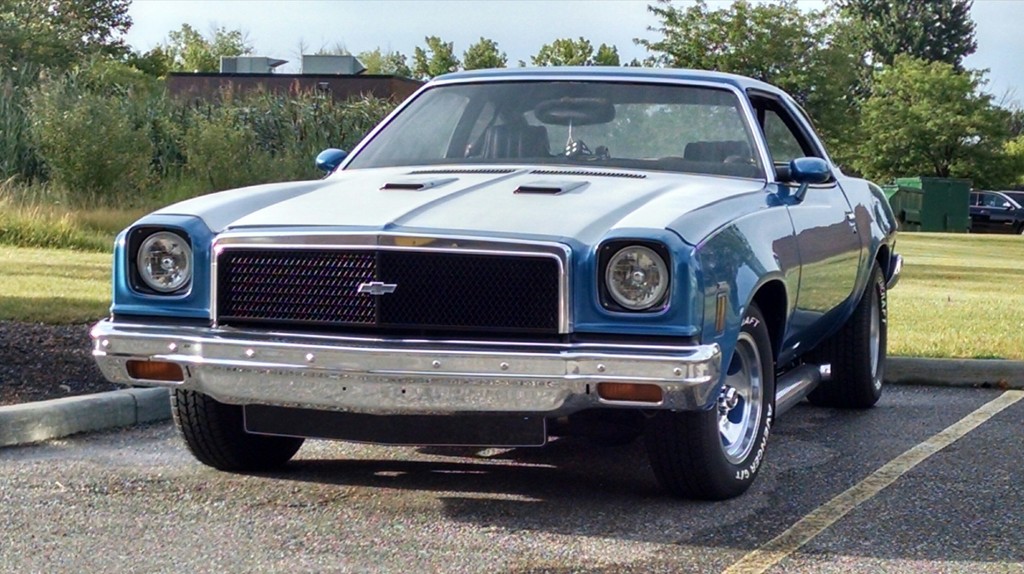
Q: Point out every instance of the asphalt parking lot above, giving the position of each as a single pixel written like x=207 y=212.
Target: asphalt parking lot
x=134 y=500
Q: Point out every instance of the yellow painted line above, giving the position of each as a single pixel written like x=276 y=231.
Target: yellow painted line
x=826 y=515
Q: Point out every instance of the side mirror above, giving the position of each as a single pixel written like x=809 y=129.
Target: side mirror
x=809 y=170
x=329 y=159
x=806 y=171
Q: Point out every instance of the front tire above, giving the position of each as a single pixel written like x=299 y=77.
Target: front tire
x=215 y=434
x=717 y=453
x=857 y=353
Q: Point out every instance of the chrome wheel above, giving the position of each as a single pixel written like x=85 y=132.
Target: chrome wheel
x=740 y=402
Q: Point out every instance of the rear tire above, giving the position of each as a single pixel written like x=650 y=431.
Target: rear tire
x=717 y=453
x=215 y=434
x=857 y=353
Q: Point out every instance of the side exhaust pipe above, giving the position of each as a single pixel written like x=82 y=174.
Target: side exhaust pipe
x=793 y=386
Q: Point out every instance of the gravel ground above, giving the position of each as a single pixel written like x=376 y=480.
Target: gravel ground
x=136 y=501
x=40 y=362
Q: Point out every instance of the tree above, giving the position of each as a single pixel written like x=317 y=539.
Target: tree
x=439 y=58
x=484 y=54
x=58 y=33
x=336 y=49
x=190 y=51
x=606 y=56
x=1015 y=153
x=929 y=119
x=386 y=63
x=564 y=52
x=569 y=52
x=154 y=63
x=1015 y=121
x=931 y=30
x=812 y=55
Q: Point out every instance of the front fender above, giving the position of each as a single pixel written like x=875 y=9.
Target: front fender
x=735 y=264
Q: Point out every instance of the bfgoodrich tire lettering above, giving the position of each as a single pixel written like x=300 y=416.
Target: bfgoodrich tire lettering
x=857 y=353
x=215 y=434
x=716 y=454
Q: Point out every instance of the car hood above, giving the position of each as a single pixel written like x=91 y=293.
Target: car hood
x=583 y=204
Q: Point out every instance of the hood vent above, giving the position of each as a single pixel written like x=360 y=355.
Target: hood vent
x=494 y=171
x=416 y=184
x=589 y=173
x=549 y=187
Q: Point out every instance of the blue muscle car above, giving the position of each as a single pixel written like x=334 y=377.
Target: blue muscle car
x=516 y=255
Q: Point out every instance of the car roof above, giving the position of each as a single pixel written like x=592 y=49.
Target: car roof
x=611 y=73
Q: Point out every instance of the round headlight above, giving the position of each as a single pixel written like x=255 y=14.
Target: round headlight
x=636 y=277
x=165 y=262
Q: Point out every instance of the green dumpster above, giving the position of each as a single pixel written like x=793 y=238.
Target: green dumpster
x=906 y=204
x=941 y=203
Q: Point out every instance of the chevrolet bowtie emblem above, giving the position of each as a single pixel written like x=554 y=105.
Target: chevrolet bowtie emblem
x=377 y=288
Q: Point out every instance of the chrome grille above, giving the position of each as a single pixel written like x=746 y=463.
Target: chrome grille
x=434 y=290
x=310 y=286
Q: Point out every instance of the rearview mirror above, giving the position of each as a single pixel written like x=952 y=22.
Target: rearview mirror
x=575 y=111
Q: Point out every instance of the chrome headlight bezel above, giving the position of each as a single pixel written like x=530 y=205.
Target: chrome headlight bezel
x=174 y=273
x=649 y=263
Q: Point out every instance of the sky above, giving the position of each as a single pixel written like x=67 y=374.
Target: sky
x=277 y=28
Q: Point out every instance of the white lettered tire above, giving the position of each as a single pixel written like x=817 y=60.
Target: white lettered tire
x=716 y=454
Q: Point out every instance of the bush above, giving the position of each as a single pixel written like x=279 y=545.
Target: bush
x=263 y=137
x=106 y=134
x=92 y=143
x=222 y=153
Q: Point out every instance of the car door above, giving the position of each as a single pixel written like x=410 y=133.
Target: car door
x=1001 y=212
x=979 y=216
x=825 y=226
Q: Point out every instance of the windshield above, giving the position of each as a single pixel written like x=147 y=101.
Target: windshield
x=1017 y=196
x=603 y=124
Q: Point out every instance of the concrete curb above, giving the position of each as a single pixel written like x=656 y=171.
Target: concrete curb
x=44 y=420
x=973 y=373
x=33 y=422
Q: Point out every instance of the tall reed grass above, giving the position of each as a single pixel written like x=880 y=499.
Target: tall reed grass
x=85 y=153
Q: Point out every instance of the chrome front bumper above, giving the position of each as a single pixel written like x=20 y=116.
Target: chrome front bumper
x=402 y=376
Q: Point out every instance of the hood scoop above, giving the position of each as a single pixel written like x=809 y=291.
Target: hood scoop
x=418 y=184
x=549 y=187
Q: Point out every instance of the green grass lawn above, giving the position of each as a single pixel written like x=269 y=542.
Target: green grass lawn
x=960 y=295
x=53 y=285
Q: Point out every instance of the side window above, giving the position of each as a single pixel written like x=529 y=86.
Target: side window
x=993 y=200
x=783 y=144
x=486 y=119
x=975 y=199
x=783 y=134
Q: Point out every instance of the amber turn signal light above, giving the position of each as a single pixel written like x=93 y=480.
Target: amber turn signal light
x=630 y=392
x=155 y=371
